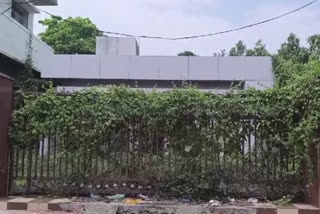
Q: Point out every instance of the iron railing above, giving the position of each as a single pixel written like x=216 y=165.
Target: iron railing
x=132 y=158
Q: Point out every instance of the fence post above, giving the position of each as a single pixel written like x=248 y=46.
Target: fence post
x=11 y=161
x=6 y=98
x=29 y=167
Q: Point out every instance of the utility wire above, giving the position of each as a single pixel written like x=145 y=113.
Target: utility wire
x=3 y=12
x=217 y=33
x=194 y=36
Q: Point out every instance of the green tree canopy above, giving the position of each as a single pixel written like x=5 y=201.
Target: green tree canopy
x=314 y=42
x=70 y=36
x=258 y=50
x=239 y=50
x=290 y=59
x=288 y=62
x=291 y=50
x=187 y=53
x=221 y=53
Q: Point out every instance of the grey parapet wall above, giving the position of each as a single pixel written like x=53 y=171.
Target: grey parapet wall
x=254 y=72
x=117 y=61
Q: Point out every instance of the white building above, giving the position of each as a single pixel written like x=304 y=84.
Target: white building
x=16 y=25
x=117 y=60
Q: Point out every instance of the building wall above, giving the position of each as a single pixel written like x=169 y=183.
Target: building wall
x=254 y=71
x=5 y=4
x=116 y=46
x=14 y=40
x=117 y=59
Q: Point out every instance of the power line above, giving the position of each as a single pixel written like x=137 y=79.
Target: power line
x=203 y=35
x=3 y=12
x=66 y=20
x=217 y=33
x=193 y=36
x=50 y=14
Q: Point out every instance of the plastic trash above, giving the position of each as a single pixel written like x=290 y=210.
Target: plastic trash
x=215 y=203
x=131 y=201
x=253 y=200
x=93 y=196
x=185 y=200
x=144 y=197
x=117 y=197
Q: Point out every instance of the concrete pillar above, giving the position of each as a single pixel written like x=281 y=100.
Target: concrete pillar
x=30 y=22
x=116 y=46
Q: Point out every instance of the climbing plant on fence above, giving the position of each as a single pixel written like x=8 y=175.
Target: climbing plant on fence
x=183 y=141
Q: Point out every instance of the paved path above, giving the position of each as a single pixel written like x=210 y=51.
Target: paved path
x=30 y=212
x=37 y=205
x=22 y=205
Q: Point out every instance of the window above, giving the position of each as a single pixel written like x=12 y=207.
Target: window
x=20 y=14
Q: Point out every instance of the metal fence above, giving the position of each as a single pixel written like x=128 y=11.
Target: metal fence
x=134 y=159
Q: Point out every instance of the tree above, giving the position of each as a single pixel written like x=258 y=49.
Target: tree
x=221 y=53
x=258 y=50
x=187 y=53
x=314 y=42
x=239 y=50
x=291 y=50
x=289 y=61
x=70 y=36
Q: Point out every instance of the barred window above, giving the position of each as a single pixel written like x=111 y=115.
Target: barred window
x=20 y=14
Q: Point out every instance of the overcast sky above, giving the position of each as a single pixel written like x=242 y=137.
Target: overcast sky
x=175 y=18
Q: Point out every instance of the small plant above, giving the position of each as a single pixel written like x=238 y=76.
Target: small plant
x=285 y=200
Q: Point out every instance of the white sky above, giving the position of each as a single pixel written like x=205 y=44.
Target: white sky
x=175 y=18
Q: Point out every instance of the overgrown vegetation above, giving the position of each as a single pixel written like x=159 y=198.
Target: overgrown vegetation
x=288 y=60
x=196 y=128
x=284 y=201
x=184 y=141
x=26 y=78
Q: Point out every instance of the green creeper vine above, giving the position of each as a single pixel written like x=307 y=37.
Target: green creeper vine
x=288 y=120
x=26 y=79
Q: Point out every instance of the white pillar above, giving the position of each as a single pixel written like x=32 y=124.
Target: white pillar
x=30 y=22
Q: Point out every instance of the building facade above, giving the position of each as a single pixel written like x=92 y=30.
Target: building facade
x=117 y=60
x=16 y=34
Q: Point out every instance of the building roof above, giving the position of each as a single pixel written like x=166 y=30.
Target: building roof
x=5 y=76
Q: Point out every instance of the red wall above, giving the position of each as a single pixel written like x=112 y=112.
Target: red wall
x=6 y=99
